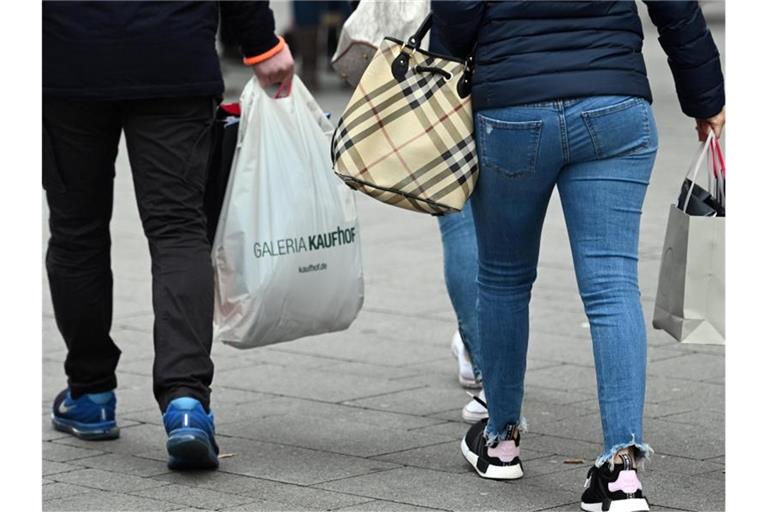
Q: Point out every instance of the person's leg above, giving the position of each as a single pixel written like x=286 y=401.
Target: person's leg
x=457 y=231
x=614 y=145
x=168 y=145
x=520 y=154
x=80 y=142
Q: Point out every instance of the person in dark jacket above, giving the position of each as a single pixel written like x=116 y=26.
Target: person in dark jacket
x=561 y=98
x=148 y=70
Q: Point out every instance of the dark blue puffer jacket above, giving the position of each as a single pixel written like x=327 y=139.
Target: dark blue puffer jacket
x=128 y=50
x=540 y=50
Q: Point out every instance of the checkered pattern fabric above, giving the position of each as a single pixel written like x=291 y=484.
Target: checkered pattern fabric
x=408 y=143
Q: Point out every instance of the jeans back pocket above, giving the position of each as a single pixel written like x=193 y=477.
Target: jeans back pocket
x=508 y=147
x=619 y=129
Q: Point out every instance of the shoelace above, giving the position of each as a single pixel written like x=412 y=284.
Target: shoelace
x=477 y=399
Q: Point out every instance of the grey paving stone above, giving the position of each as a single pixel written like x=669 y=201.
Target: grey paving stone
x=62 y=453
x=340 y=435
x=266 y=506
x=684 y=492
x=552 y=464
x=717 y=474
x=51 y=468
x=127 y=464
x=568 y=448
x=379 y=370
x=696 y=367
x=384 y=506
x=699 y=395
x=309 y=409
x=704 y=418
x=194 y=496
x=107 y=501
x=292 y=464
x=58 y=490
x=685 y=440
x=107 y=480
x=307 y=383
x=285 y=494
x=565 y=377
x=449 y=491
x=660 y=462
x=420 y=401
x=568 y=507
x=388 y=349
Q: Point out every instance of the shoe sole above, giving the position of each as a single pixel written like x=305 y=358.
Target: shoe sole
x=628 y=505
x=492 y=472
x=463 y=381
x=473 y=417
x=100 y=432
x=189 y=448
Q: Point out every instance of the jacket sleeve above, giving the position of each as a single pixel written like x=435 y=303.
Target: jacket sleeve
x=692 y=56
x=252 y=24
x=454 y=26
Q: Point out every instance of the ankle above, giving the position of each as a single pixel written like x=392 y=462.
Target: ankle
x=625 y=456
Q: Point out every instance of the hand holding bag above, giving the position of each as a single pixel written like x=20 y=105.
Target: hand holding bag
x=405 y=138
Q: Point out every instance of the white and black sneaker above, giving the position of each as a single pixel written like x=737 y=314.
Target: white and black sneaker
x=501 y=461
x=475 y=410
x=614 y=490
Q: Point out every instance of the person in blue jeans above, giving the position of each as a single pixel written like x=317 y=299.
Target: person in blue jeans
x=561 y=99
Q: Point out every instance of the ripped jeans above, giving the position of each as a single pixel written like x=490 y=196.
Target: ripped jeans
x=599 y=152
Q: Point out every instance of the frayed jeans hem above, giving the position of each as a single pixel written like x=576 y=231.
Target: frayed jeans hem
x=643 y=452
x=494 y=437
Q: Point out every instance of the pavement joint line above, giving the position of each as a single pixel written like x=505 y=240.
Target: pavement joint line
x=318 y=450
x=316 y=400
x=148 y=478
x=317 y=485
x=373 y=498
x=377 y=456
x=574 y=503
x=355 y=505
x=135 y=493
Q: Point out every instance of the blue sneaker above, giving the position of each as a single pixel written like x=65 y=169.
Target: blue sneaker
x=191 y=443
x=91 y=417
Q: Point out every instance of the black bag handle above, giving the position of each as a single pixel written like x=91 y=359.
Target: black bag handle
x=415 y=40
x=400 y=64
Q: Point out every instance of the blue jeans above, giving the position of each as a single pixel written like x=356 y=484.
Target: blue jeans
x=460 y=268
x=599 y=151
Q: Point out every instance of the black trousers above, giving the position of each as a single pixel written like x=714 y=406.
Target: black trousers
x=168 y=144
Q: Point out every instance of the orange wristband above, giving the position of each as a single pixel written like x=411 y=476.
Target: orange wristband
x=256 y=59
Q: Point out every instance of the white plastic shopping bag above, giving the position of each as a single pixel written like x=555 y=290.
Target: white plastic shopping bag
x=287 y=247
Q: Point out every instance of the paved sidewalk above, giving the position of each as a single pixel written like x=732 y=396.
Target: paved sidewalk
x=369 y=419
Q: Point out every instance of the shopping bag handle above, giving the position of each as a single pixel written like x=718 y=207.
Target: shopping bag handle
x=693 y=170
x=284 y=87
x=717 y=150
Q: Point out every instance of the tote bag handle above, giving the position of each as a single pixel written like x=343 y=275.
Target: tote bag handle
x=693 y=170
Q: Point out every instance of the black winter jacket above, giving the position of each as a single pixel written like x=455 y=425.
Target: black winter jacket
x=125 y=50
x=541 y=50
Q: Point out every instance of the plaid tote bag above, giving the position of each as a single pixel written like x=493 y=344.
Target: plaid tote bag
x=405 y=138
